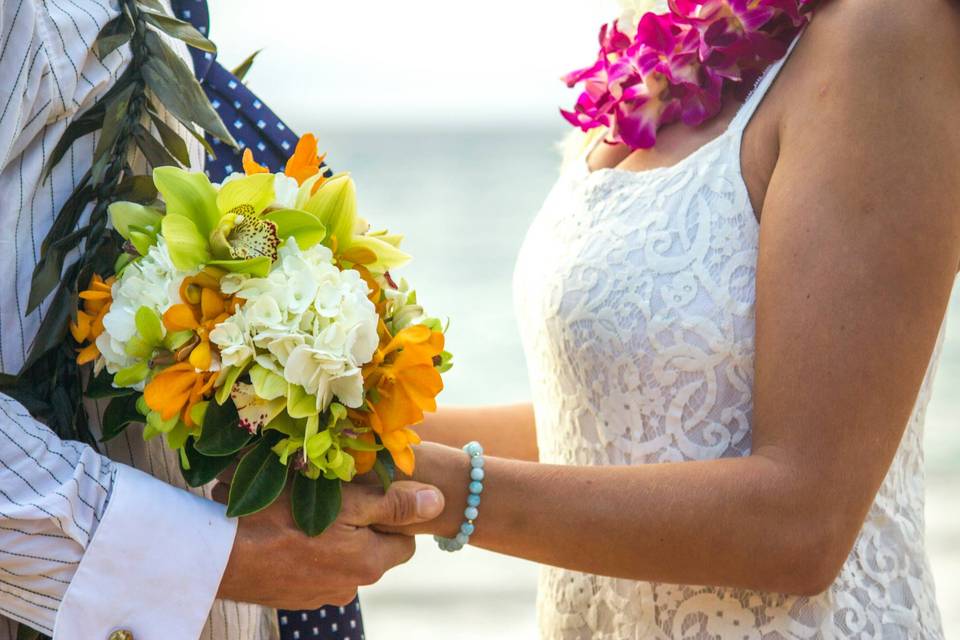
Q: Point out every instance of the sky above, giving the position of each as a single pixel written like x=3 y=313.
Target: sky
x=423 y=62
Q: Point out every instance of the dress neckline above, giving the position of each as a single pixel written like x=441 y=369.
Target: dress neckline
x=734 y=129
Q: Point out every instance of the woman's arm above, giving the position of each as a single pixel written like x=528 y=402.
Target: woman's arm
x=506 y=431
x=859 y=248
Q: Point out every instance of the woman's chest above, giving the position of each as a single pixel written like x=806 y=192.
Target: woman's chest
x=639 y=290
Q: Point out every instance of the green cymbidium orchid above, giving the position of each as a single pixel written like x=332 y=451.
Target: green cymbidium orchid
x=335 y=205
x=233 y=228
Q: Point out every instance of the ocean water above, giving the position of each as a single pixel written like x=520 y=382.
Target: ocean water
x=464 y=198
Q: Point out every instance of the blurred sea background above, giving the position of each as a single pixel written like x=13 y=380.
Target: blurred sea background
x=445 y=113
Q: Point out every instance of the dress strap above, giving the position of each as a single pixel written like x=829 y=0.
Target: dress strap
x=763 y=85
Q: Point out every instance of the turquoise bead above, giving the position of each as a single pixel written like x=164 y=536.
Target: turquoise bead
x=473 y=500
x=474 y=449
x=462 y=539
x=477 y=463
x=476 y=474
x=476 y=487
x=471 y=513
x=467 y=529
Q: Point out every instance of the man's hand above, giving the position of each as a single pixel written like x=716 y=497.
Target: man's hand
x=276 y=565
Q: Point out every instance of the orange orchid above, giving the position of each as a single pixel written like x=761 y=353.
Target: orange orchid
x=179 y=387
x=176 y=390
x=88 y=326
x=302 y=165
x=406 y=383
x=364 y=460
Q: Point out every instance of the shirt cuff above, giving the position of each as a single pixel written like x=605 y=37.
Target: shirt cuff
x=153 y=567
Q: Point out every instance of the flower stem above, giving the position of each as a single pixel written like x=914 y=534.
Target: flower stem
x=381 y=470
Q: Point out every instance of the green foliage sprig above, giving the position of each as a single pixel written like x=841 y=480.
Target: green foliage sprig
x=128 y=118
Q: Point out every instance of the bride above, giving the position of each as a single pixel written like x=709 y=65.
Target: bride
x=731 y=339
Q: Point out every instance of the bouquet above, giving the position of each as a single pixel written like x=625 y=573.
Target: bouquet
x=257 y=321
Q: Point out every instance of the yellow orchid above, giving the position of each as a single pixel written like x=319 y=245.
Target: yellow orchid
x=88 y=326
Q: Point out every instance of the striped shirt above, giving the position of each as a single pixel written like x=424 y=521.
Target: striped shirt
x=88 y=545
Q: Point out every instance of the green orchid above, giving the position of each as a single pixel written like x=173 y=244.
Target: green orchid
x=234 y=227
x=335 y=205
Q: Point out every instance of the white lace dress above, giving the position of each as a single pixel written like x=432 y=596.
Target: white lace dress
x=635 y=294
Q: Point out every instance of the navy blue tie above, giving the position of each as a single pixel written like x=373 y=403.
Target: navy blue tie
x=254 y=125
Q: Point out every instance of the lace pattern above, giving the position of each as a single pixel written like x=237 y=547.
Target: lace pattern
x=635 y=294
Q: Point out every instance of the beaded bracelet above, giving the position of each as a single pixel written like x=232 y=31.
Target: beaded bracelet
x=475 y=451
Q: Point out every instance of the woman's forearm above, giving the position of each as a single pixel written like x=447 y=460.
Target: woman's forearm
x=507 y=431
x=731 y=522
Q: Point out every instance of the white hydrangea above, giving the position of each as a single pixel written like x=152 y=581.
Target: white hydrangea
x=152 y=281
x=307 y=321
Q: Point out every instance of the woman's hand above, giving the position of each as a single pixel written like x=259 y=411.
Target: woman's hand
x=448 y=469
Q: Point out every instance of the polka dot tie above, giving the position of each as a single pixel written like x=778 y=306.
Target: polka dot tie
x=254 y=125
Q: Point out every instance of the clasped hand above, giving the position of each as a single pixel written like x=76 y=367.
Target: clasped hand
x=274 y=564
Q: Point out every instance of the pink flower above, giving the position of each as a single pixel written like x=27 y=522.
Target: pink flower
x=676 y=65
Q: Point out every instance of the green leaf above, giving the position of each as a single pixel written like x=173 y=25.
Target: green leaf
x=157 y=425
x=198 y=412
x=222 y=434
x=267 y=384
x=300 y=404
x=259 y=479
x=359 y=445
x=258 y=267
x=315 y=503
x=137 y=188
x=176 y=339
x=180 y=30
x=137 y=347
x=153 y=151
x=141 y=241
x=174 y=144
x=287 y=425
x=113 y=120
x=189 y=194
x=229 y=379
x=132 y=375
x=119 y=414
x=203 y=469
x=187 y=247
x=148 y=325
x=101 y=386
x=177 y=88
x=241 y=70
x=304 y=227
x=114 y=34
x=286 y=448
x=123 y=215
x=177 y=438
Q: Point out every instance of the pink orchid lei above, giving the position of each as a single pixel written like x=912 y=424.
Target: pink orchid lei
x=678 y=64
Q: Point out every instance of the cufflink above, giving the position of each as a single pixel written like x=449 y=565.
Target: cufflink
x=122 y=634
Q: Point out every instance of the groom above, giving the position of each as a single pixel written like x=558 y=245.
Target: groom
x=90 y=547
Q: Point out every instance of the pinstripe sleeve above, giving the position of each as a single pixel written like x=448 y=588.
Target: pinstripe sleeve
x=53 y=495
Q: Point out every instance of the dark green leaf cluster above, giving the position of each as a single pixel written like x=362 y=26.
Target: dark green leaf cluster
x=128 y=118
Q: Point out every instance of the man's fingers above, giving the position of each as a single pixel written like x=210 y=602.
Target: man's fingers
x=404 y=503
x=386 y=551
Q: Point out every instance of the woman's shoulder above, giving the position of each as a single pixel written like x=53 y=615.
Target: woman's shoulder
x=864 y=36
x=863 y=59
